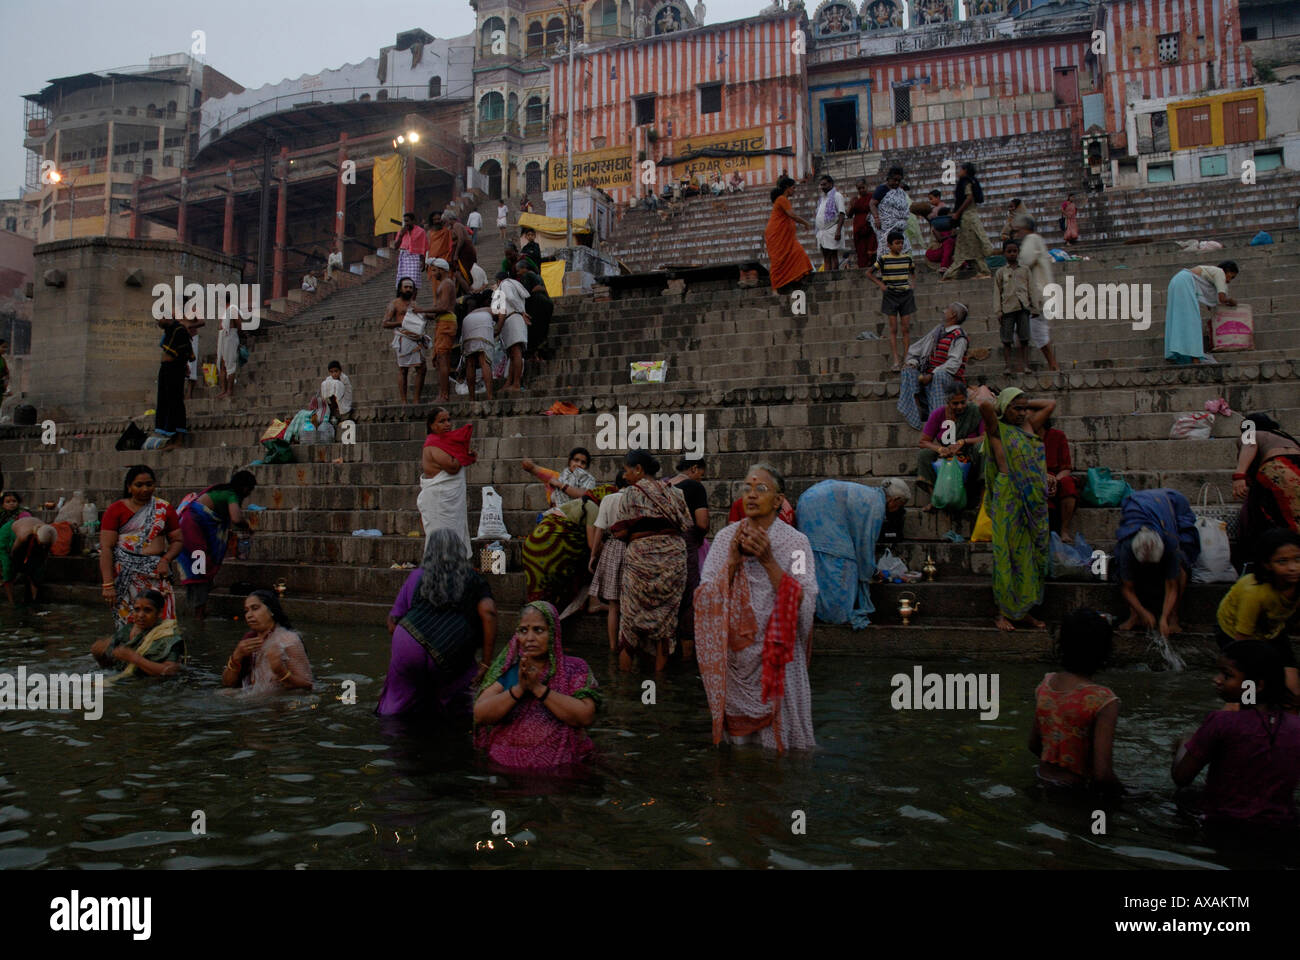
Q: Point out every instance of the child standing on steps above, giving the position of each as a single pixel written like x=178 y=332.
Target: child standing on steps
x=899 y=301
x=1073 y=734
x=1011 y=301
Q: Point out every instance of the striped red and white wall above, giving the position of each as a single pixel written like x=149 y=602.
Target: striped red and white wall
x=1139 y=24
x=762 y=79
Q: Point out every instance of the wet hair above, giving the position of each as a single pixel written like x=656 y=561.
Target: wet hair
x=685 y=463
x=1147 y=546
x=334 y=365
x=241 y=482
x=894 y=172
x=1229 y=266
x=639 y=458
x=272 y=604
x=155 y=598
x=447 y=574
x=132 y=473
x=580 y=450
x=433 y=415
x=1269 y=542
x=894 y=235
x=782 y=185
x=776 y=475
x=1258 y=661
x=1085 y=641
x=620 y=481
x=969 y=167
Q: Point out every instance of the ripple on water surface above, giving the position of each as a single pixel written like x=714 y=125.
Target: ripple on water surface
x=311 y=781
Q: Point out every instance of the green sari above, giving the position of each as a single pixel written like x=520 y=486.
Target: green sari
x=1017 y=505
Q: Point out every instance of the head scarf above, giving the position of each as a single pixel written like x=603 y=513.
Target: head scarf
x=1005 y=398
x=530 y=735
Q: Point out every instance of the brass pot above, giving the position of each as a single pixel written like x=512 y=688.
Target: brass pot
x=907 y=607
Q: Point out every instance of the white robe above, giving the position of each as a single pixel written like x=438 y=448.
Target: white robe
x=826 y=226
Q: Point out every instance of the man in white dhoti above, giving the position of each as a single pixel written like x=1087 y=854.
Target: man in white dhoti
x=831 y=235
x=409 y=340
x=443 y=502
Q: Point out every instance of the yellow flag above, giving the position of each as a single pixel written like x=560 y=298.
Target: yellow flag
x=386 y=194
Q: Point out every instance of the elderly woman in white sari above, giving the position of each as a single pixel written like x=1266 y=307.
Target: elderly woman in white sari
x=753 y=623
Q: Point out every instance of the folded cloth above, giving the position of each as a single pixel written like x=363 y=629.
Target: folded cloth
x=443 y=502
x=367 y=533
x=562 y=408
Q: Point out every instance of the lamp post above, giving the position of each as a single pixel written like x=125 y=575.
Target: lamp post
x=57 y=178
x=404 y=144
x=568 y=207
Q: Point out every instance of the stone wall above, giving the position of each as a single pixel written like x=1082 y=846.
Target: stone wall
x=94 y=339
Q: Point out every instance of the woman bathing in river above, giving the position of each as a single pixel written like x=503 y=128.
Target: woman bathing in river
x=271 y=656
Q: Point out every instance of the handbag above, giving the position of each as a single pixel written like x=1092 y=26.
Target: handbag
x=1229 y=513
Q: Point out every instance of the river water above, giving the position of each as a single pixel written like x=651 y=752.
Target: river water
x=313 y=782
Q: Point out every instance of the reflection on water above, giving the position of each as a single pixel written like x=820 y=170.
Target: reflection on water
x=312 y=782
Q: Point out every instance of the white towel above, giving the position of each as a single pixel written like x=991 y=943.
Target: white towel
x=443 y=502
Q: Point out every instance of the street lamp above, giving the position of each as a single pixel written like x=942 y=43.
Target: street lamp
x=568 y=211
x=56 y=178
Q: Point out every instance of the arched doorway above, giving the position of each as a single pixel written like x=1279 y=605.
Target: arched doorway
x=492 y=170
x=533 y=178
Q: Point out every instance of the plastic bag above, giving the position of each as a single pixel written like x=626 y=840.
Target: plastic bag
x=1070 y=561
x=1213 y=564
x=491 y=521
x=1100 y=490
x=1233 y=327
x=70 y=512
x=500 y=360
x=890 y=566
x=1261 y=239
x=649 y=371
x=1192 y=426
x=325 y=433
x=949 y=486
x=274 y=431
x=210 y=374
x=983 y=531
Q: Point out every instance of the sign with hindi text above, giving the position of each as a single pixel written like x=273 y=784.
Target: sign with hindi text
x=752 y=139
x=608 y=169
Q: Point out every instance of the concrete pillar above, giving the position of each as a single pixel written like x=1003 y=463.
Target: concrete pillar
x=281 y=225
x=181 y=213
x=134 y=232
x=228 y=226
x=341 y=196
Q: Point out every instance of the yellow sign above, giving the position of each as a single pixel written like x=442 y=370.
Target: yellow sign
x=752 y=139
x=608 y=169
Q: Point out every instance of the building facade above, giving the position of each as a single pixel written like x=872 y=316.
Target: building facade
x=718 y=99
x=103 y=132
x=516 y=41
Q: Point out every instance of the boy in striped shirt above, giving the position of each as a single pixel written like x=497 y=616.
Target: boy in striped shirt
x=899 y=302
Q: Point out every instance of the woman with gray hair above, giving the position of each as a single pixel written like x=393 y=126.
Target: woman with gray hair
x=933 y=364
x=843 y=521
x=442 y=615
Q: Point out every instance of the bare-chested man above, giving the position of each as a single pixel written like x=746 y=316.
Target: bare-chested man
x=409 y=346
x=24 y=545
x=444 y=331
x=463 y=253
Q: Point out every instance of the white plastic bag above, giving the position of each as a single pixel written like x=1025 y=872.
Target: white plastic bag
x=1192 y=426
x=1214 y=564
x=491 y=521
x=890 y=566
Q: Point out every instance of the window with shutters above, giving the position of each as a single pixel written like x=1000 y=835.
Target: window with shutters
x=1193 y=126
x=1167 y=47
x=711 y=98
x=1215 y=166
x=645 y=110
x=1240 y=121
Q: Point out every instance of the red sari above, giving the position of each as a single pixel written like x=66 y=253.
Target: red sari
x=788 y=260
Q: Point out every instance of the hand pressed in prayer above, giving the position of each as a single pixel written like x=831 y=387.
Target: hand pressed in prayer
x=530 y=673
x=757 y=544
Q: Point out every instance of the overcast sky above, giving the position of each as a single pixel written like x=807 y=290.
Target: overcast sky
x=251 y=41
